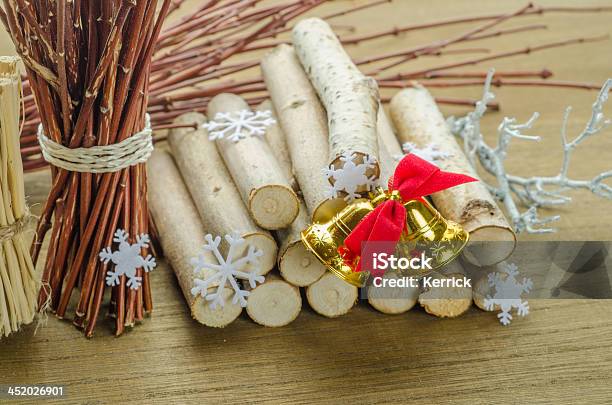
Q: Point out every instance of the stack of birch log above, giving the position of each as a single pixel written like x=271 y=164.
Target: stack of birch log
x=270 y=189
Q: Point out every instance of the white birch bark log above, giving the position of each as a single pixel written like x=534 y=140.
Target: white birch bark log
x=418 y=120
x=389 y=148
x=386 y=299
x=268 y=195
x=297 y=265
x=181 y=234
x=447 y=301
x=331 y=297
x=274 y=303
x=482 y=289
x=393 y=300
x=217 y=199
x=350 y=98
x=304 y=123
x=278 y=145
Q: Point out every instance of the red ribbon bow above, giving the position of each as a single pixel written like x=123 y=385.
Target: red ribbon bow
x=414 y=178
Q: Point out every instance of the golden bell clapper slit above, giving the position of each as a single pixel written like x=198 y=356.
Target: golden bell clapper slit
x=424 y=230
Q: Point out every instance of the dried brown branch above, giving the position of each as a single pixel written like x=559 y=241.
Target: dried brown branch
x=497 y=82
x=542 y=74
x=194 y=57
x=523 y=51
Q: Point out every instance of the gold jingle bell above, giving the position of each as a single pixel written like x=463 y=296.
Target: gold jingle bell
x=324 y=240
x=429 y=232
x=425 y=231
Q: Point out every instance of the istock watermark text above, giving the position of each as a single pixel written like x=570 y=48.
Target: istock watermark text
x=385 y=261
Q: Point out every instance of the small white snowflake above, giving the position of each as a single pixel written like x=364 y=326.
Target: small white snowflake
x=227 y=270
x=348 y=179
x=508 y=293
x=127 y=259
x=431 y=152
x=238 y=125
x=441 y=251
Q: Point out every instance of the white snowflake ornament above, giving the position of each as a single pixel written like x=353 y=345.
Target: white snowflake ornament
x=508 y=292
x=431 y=152
x=238 y=125
x=227 y=270
x=127 y=259
x=351 y=177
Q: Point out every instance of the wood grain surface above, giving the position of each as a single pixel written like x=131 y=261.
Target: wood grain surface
x=560 y=353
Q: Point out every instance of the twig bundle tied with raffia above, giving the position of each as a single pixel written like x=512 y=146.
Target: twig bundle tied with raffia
x=18 y=280
x=88 y=64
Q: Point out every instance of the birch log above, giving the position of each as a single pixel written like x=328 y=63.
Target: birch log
x=181 y=234
x=393 y=300
x=418 y=120
x=19 y=282
x=304 y=123
x=386 y=299
x=216 y=197
x=274 y=303
x=278 y=145
x=447 y=301
x=330 y=296
x=268 y=195
x=350 y=98
x=482 y=289
x=296 y=264
x=389 y=148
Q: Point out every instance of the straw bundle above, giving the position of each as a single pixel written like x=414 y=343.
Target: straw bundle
x=18 y=282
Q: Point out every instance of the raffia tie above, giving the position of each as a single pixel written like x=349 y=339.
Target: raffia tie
x=16 y=228
x=99 y=159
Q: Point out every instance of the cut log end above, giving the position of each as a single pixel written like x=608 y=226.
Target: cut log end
x=392 y=300
x=330 y=296
x=372 y=172
x=273 y=206
x=446 y=302
x=218 y=317
x=274 y=303
x=490 y=245
x=299 y=267
x=482 y=289
x=267 y=244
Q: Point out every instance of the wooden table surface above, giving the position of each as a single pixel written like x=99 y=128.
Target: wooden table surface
x=562 y=352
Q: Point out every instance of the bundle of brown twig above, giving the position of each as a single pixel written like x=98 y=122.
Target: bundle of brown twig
x=197 y=55
x=88 y=64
